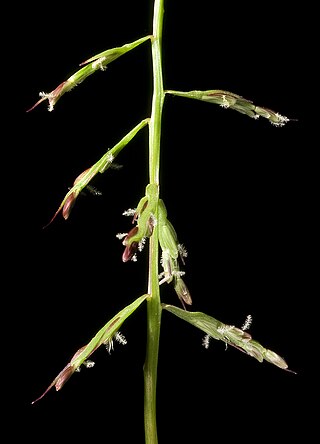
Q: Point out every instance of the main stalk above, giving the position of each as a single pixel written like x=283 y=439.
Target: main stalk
x=153 y=304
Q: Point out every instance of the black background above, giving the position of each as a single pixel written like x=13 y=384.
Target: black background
x=236 y=190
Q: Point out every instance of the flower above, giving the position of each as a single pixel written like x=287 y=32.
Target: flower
x=97 y=62
x=70 y=198
x=144 y=218
x=54 y=95
x=67 y=207
x=131 y=247
x=227 y=99
x=63 y=376
x=172 y=250
x=182 y=291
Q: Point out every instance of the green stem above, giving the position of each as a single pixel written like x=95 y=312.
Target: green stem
x=154 y=303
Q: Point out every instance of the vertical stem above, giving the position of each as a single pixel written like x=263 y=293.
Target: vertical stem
x=158 y=94
x=153 y=304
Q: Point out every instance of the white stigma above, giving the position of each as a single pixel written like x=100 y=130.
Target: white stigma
x=205 y=341
x=247 y=323
x=129 y=212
